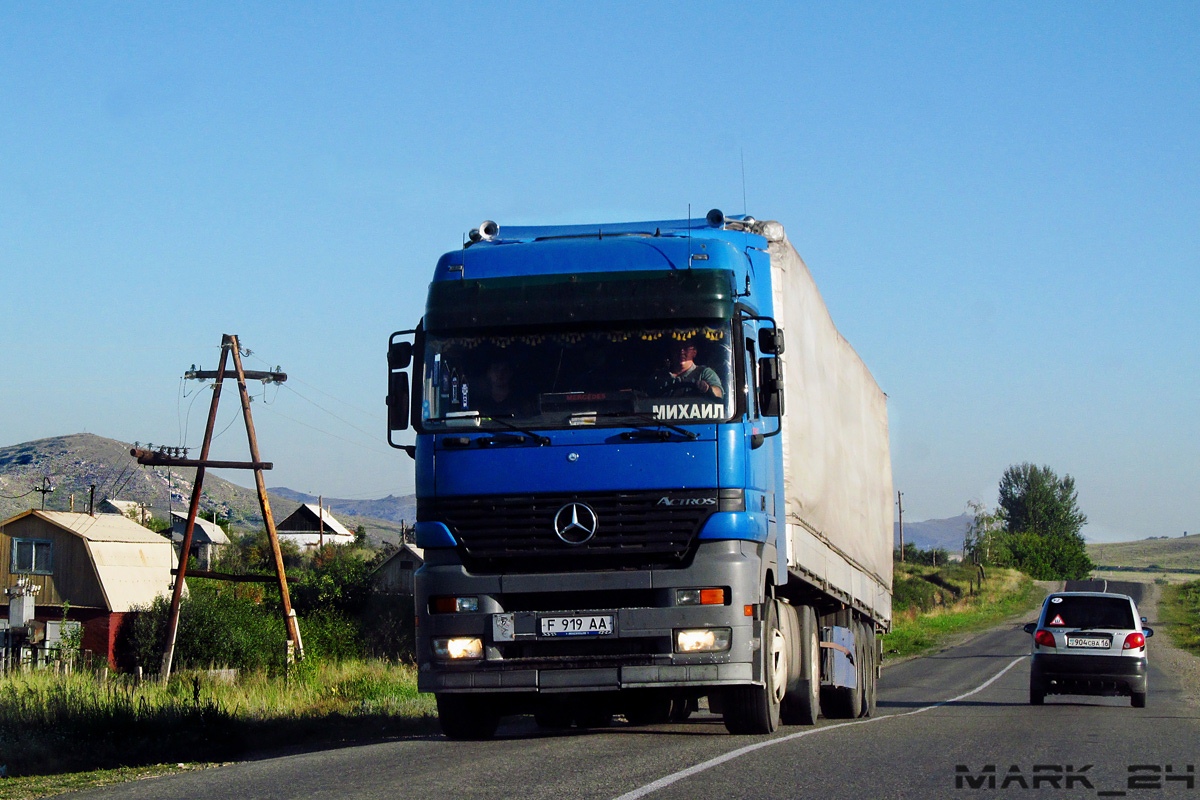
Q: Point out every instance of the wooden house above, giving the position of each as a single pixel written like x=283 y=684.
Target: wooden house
x=395 y=575
x=312 y=526
x=207 y=536
x=102 y=567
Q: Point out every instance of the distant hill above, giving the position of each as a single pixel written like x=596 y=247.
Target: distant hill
x=76 y=462
x=934 y=533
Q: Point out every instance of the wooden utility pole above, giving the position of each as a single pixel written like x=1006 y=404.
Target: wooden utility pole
x=900 y=504
x=193 y=509
x=229 y=344
x=296 y=646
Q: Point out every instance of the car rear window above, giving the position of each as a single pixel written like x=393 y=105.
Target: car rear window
x=1088 y=612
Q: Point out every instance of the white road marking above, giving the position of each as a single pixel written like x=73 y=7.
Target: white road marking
x=696 y=769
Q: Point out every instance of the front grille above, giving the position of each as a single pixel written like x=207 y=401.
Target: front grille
x=620 y=650
x=586 y=601
x=634 y=530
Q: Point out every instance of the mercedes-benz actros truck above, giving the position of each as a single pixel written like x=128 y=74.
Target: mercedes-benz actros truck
x=649 y=473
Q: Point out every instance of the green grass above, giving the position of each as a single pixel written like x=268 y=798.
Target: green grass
x=1179 y=608
x=958 y=607
x=1153 y=555
x=35 y=786
x=56 y=725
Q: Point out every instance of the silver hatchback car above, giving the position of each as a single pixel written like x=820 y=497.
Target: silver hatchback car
x=1089 y=643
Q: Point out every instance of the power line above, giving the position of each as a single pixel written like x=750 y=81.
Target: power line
x=374 y=415
x=327 y=433
x=330 y=413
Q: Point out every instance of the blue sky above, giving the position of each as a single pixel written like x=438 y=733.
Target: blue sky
x=1000 y=203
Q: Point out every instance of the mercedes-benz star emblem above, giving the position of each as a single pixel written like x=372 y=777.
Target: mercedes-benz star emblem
x=575 y=523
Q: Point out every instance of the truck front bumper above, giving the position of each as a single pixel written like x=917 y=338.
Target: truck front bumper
x=640 y=651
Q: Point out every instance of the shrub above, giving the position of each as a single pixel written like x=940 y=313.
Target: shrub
x=216 y=629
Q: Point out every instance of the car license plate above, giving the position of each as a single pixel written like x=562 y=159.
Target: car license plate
x=577 y=625
x=1089 y=642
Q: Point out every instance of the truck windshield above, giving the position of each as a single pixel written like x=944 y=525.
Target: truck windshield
x=571 y=378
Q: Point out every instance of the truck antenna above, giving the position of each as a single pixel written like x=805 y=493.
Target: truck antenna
x=744 y=206
x=689 y=218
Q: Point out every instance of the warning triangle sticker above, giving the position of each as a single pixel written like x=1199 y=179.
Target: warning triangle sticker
x=1058 y=620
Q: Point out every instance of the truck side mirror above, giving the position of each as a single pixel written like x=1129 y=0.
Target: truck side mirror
x=397 y=401
x=770 y=341
x=770 y=391
x=399 y=355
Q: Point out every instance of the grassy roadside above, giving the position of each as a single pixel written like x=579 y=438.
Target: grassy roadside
x=1179 y=607
x=60 y=733
x=934 y=604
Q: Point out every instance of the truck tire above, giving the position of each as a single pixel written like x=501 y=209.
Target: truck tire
x=682 y=708
x=802 y=703
x=870 y=668
x=466 y=716
x=755 y=709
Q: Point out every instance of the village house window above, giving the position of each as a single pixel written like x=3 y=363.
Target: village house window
x=32 y=556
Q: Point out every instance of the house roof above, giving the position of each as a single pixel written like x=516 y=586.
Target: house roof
x=122 y=506
x=205 y=531
x=332 y=526
x=101 y=527
x=133 y=565
x=404 y=551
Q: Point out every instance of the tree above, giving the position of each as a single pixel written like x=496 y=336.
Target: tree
x=1034 y=499
x=1042 y=523
x=985 y=540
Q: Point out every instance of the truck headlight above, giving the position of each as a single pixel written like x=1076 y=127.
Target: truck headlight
x=702 y=640
x=458 y=648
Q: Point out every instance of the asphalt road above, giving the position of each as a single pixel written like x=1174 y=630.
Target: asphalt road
x=948 y=726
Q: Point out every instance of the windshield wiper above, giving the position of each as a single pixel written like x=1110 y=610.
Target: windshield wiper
x=537 y=438
x=649 y=420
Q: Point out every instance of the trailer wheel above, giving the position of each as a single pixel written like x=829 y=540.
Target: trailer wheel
x=755 y=709
x=466 y=716
x=870 y=668
x=802 y=703
x=683 y=707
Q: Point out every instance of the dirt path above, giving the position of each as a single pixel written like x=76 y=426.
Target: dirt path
x=1169 y=657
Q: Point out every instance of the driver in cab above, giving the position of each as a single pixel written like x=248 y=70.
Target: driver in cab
x=683 y=377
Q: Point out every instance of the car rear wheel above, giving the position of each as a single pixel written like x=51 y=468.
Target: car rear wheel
x=1037 y=692
x=1138 y=699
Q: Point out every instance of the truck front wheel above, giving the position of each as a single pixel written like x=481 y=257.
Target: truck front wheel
x=467 y=716
x=755 y=709
x=802 y=705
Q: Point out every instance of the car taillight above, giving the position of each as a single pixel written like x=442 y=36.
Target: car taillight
x=1134 y=641
x=1044 y=638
